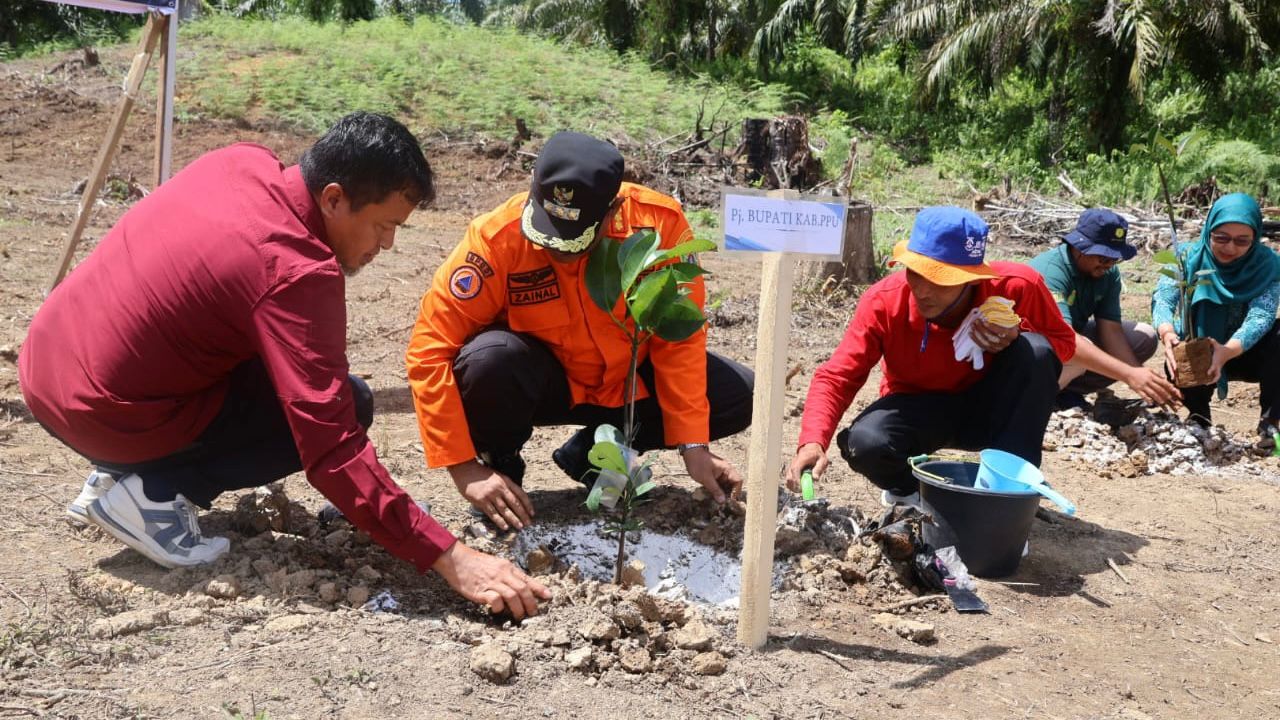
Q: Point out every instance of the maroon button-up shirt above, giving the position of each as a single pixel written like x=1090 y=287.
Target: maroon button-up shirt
x=128 y=359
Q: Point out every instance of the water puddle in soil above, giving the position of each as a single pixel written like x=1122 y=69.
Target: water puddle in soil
x=676 y=567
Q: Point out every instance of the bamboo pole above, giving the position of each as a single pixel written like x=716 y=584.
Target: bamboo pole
x=133 y=81
x=166 y=57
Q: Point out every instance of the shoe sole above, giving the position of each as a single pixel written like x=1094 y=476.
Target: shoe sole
x=77 y=515
x=99 y=516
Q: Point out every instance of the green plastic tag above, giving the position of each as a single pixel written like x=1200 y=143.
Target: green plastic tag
x=806 y=485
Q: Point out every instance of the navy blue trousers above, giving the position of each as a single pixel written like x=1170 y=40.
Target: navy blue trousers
x=1008 y=409
x=248 y=444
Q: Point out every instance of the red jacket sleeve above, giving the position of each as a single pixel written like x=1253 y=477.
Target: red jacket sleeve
x=1040 y=314
x=837 y=380
x=300 y=330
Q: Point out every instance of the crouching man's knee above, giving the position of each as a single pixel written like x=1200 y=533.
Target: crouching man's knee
x=867 y=449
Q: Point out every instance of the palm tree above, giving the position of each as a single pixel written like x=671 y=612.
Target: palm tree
x=608 y=23
x=1100 y=53
x=837 y=24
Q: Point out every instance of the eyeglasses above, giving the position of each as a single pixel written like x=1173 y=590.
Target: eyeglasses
x=1240 y=241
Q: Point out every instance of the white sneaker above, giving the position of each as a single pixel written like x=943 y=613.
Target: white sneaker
x=889 y=499
x=166 y=532
x=95 y=486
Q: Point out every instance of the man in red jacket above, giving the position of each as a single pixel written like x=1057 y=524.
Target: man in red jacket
x=998 y=396
x=201 y=348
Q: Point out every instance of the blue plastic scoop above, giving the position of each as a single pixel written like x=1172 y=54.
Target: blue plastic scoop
x=1006 y=472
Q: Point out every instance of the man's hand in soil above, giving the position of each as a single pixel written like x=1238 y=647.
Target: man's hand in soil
x=992 y=338
x=490 y=581
x=1153 y=389
x=809 y=455
x=492 y=493
x=713 y=472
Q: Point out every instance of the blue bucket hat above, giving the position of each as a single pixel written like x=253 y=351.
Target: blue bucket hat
x=1101 y=232
x=947 y=247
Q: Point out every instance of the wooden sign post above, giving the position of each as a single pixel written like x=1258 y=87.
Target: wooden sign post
x=161 y=30
x=784 y=228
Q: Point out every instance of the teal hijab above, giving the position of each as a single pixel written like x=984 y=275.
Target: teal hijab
x=1235 y=283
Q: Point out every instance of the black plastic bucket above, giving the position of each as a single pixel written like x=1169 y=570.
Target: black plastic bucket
x=988 y=528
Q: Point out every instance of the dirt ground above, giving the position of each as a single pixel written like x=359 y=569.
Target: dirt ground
x=1184 y=625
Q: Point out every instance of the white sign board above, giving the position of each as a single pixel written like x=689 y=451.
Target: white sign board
x=755 y=223
x=166 y=7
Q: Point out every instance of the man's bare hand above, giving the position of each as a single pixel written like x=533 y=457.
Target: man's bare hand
x=809 y=455
x=1153 y=389
x=490 y=581
x=713 y=472
x=992 y=338
x=492 y=493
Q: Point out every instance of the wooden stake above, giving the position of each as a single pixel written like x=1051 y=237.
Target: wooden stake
x=133 y=81
x=765 y=448
x=164 y=106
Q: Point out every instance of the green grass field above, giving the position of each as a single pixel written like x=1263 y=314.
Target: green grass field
x=440 y=76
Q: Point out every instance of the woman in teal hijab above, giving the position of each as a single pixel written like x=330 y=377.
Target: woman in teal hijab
x=1236 y=309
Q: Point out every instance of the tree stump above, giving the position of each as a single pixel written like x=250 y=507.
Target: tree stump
x=857 y=264
x=777 y=153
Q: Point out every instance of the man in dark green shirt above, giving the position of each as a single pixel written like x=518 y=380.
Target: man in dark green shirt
x=1083 y=277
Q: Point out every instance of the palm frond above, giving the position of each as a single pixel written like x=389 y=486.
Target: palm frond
x=998 y=34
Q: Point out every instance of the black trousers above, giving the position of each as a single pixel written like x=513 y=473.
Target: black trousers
x=248 y=444
x=1007 y=409
x=511 y=383
x=1260 y=364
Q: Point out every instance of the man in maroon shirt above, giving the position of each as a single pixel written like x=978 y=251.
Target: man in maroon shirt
x=202 y=348
x=929 y=399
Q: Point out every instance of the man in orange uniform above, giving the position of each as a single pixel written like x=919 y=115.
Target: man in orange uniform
x=508 y=339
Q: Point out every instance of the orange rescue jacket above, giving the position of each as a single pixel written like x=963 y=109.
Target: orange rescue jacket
x=496 y=276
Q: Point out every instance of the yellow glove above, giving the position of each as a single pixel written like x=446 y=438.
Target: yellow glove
x=999 y=311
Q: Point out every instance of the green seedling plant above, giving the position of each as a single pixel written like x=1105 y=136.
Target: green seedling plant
x=1175 y=269
x=1174 y=263
x=645 y=290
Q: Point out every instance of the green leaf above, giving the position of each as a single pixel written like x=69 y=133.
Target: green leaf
x=1165 y=257
x=645 y=488
x=680 y=320
x=604 y=279
x=634 y=256
x=688 y=247
x=1163 y=142
x=608 y=433
x=608 y=456
x=651 y=299
x=1171 y=274
x=685 y=272
x=1187 y=139
x=593 y=499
